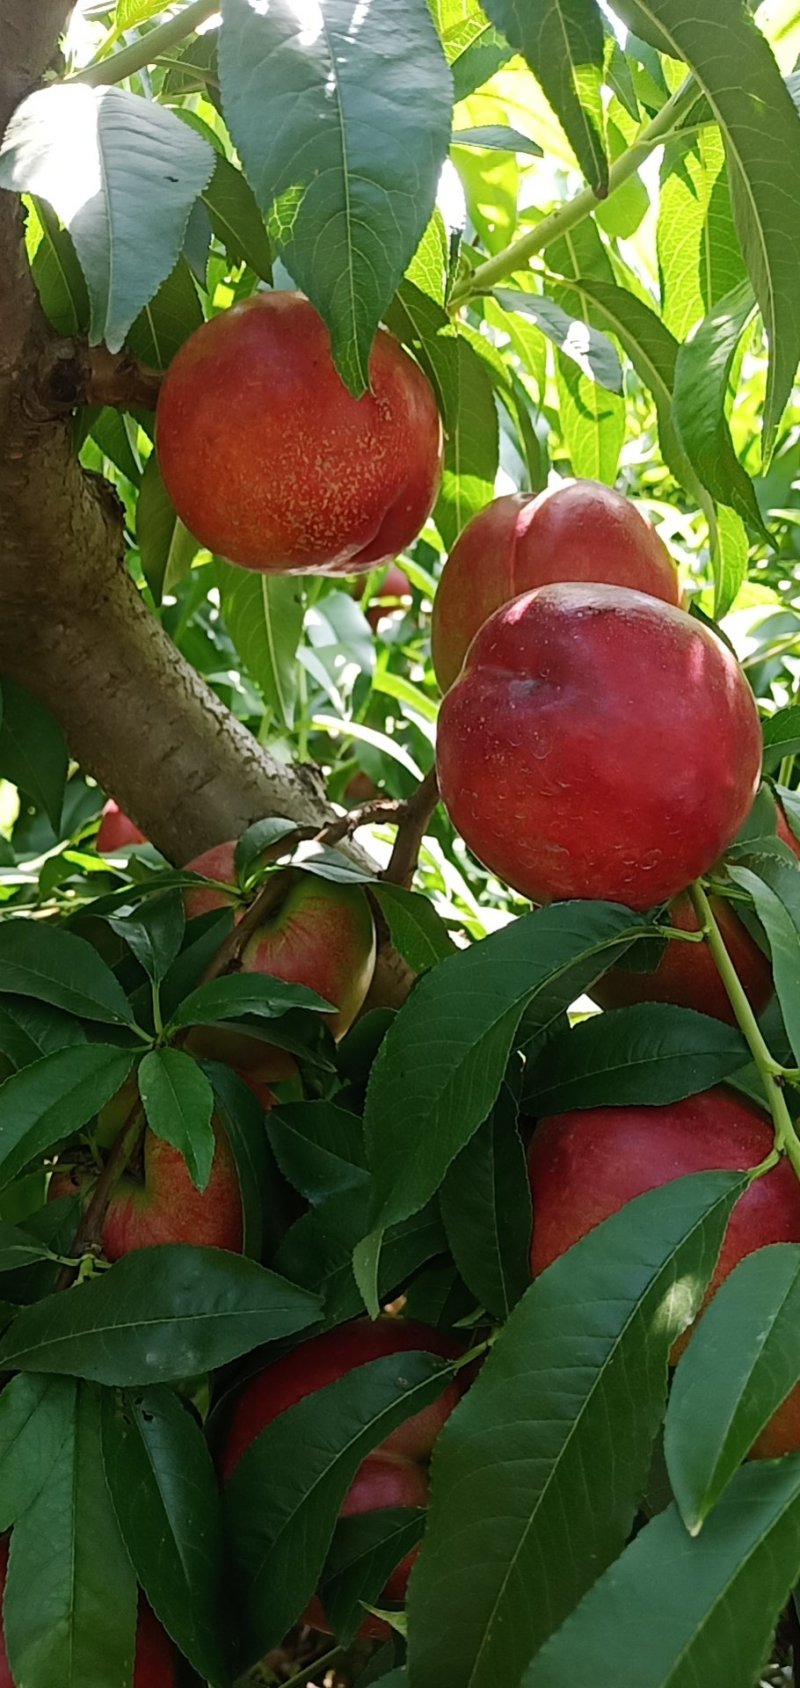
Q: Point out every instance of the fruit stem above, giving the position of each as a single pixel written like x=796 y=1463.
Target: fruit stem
x=771 y=1073
x=90 y=1230
x=145 y=51
x=518 y=254
x=304 y=1676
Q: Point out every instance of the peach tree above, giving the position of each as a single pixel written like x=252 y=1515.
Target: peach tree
x=399 y=843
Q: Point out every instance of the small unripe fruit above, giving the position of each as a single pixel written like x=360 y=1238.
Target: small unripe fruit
x=582 y=531
x=598 y=744
x=687 y=975
x=272 y=463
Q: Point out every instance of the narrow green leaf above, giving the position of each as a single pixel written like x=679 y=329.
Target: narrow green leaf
x=699 y=255
x=319 y=1147
x=164 y=1491
x=591 y=423
x=593 y=354
x=673 y=1612
x=242 y=1120
x=537 y=1475
x=774 y=886
x=236 y=219
x=283 y=1499
x=33 y=751
x=366 y=1548
x=36 y=1416
x=496 y=138
x=171 y=316
x=474 y=49
x=416 y=930
x=29 y=1029
x=645 y=1055
x=54 y=966
x=486 y=1209
x=93 y=153
x=702 y=376
x=563 y=43
x=332 y=132
x=43 y=1104
x=167 y=549
x=740 y=1365
x=438 y=1071
x=179 y=1102
x=69 y=1612
x=155 y=932
x=159 y=1314
x=235 y=994
x=264 y=616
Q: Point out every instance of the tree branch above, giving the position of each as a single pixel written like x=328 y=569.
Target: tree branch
x=411 y=831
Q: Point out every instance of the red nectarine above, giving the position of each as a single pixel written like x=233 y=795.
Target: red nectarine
x=394 y=1474
x=116 y=830
x=319 y=933
x=598 y=744
x=581 y=531
x=687 y=974
x=272 y=463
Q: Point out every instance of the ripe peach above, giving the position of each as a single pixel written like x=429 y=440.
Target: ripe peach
x=599 y=744
x=272 y=463
x=581 y=531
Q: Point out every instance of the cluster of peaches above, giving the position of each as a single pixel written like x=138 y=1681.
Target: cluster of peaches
x=595 y=741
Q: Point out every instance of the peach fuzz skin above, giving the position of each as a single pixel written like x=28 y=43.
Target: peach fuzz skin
x=319 y=934
x=165 y=1206
x=395 y=1473
x=598 y=744
x=585 y=1165
x=154 y=1665
x=582 y=531
x=687 y=974
x=272 y=463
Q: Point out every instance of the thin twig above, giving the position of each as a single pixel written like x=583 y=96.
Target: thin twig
x=411 y=830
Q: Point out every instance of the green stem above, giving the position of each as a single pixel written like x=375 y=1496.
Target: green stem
x=516 y=256
x=769 y=1069
x=145 y=51
x=322 y=1664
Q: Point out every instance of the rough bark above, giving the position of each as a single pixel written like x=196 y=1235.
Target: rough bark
x=73 y=628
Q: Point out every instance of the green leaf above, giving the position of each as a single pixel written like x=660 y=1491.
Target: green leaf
x=236 y=219
x=319 y=1147
x=171 y=316
x=439 y=1069
x=318 y=1251
x=740 y=1365
x=159 y=1314
x=416 y=930
x=29 y=1029
x=365 y=1550
x=730 y=559
x=736 y=70
x=283 y=1499
x=235 y=994
x=58 y=275
x=179 y=1102
x=334 y=133
x=164 y=1492
x=538 y=1473
x=474 y=49
x=774 y=886
x=36 y=1415
x=471 y=452
x=94 y=154
x=257 y=840
x=33 y=750
x=486 y=1209
x=167 y=549
x=155 y=932
x=781 y=736
x=54 y=966
x=563 y=43
x=702 y=376
x=43 y=1104
x=131 y=12
x=497 y=137
x=591 y=351
x=242 y=1120
x=591 y=422
x=69 y=1612
x=264 y=616
x=699 y=255
x=674 y=1612
x=19 y=1248
x=645 y=1055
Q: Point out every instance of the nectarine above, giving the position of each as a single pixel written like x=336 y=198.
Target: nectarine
x=394 y=1474
x=581 y=531
x=272 y=463
x=687 y=974
x=116 y=830
x=600 y=744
